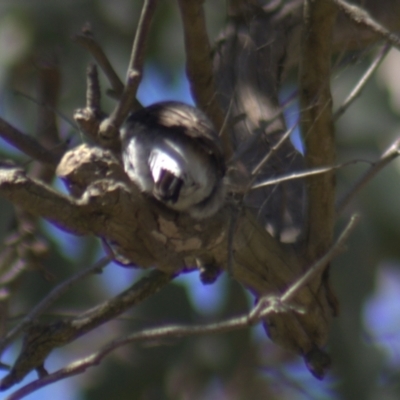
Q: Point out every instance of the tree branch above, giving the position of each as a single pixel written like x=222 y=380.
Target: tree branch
x=90 y=117
x=109 y=128
x=40 y=199
x=146 y=235
x=389 y=155
x=42 y=339
x=356 y=92
x=86 y=40
x=93 y=90
x=317 y=123
x=336 y=249
x=265 y=307
x=199 y=67
x=27 y=144
x=301 y=175
x=361 y=17
x=273 y=150
x=54 y=295
x=142 y=33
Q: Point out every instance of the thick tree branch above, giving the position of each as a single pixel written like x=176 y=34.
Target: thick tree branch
x=199 y=67
x=41 y=200
x=149 y=236
x=317 y=123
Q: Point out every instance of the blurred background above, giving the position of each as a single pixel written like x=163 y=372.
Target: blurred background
x=365 y=338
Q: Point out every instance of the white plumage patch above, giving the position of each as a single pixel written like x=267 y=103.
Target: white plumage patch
x=160 y=161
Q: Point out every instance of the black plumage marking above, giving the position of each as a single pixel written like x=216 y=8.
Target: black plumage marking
x=168 y=186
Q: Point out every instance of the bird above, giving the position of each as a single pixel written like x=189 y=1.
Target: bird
x=171 y=151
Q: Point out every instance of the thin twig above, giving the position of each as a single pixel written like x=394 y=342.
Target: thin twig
x=109 y=128
x=86 y=40
x=93 y=92
x=25 y=250
x=362 y=17
x=27 y=144
x=54 y=295
x=233 y=221
x=322 y=262
x=273 y=150
x=356 y=92
x=305 y=174
x=389 y=155
x=42 y=339
x=135 y=67
x=264 y=307
x=142 y=33
x=90 y=117
x=49 y=89
x=253 y=140
x=54 y=110
x=94 y=359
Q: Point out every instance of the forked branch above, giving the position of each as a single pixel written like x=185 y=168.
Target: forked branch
x=266 y=306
